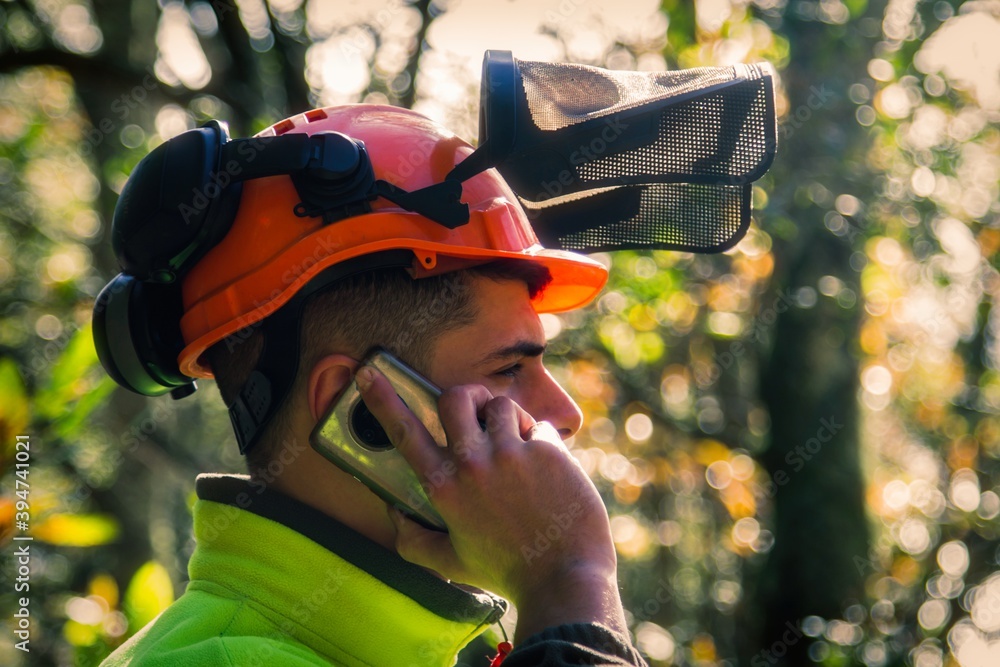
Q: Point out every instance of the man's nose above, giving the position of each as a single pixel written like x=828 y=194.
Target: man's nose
x=554 y=405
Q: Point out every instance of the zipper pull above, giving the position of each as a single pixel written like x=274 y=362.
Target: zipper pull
x=503 y=648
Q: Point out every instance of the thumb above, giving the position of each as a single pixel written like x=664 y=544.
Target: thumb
x=425 y=547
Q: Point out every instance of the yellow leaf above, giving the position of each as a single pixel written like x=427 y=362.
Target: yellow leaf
x=6 y=521
x=76 y=530
x=709 y=451
x=104 y=586
x=148 y=594
x=79 y=634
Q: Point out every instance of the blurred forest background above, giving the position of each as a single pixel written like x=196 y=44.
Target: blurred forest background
x=797 y=440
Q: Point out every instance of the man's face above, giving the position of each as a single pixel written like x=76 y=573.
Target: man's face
x=502 y=350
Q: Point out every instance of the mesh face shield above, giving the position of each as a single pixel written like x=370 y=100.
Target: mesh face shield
x=609 y=160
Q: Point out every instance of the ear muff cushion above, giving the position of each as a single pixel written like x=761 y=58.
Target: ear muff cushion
x=137 y=336
x=107 y=327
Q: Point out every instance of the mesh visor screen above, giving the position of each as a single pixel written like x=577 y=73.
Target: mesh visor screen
x=560 y=95
x=606 y=160
x=719 y=134
x=667 y=216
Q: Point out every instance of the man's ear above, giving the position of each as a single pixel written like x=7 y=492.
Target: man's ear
x=327 y=381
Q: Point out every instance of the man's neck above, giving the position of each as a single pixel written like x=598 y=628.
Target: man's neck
x=313 y=480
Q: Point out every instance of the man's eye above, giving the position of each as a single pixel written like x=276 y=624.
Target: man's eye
x=510 y=371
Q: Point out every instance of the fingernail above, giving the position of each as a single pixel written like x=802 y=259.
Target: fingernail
x=364 y=378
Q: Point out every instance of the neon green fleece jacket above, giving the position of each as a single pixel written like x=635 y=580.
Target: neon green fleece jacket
x=276 y=582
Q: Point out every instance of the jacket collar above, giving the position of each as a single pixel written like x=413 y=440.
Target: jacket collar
x=324 y=584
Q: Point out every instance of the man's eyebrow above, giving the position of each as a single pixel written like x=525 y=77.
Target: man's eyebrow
x=519 y=349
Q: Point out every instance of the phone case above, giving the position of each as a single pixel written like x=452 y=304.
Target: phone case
x=352 y=439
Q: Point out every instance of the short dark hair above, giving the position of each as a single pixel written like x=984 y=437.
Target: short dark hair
x=384 y=308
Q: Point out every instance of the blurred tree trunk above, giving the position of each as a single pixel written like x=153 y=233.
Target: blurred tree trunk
x=809 y=372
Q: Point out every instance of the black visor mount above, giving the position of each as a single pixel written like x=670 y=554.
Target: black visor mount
x=608 y=160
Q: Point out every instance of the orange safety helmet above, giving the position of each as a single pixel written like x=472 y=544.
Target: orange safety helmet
x=270 y=253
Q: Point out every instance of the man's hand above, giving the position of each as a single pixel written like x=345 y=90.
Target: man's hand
x=524 y=519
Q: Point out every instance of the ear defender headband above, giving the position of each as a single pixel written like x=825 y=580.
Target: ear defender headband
x=181 y=200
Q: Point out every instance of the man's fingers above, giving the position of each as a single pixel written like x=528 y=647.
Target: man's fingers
x=525 y=422
x=459 y=408
x=474 y=420
x=421 y=546
x=543 y=430
x=504 y=419
x=405 y=431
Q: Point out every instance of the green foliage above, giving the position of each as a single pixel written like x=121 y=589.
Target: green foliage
x=76 y=386
x=864 y=287
x=77 y=530
x=148 y=594
x=13 y=405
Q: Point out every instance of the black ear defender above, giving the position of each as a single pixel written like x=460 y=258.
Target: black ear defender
x=173 y=209
x=138 y=338
x=178 y=203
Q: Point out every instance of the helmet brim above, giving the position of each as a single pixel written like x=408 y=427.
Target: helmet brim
x=576 y=281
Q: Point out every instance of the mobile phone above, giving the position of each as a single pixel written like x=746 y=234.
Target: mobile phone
x=351 y=438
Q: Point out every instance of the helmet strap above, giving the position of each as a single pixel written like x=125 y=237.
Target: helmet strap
x=270 y=383
x=440 y=202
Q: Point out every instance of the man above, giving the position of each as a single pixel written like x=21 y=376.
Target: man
x=299 y=563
